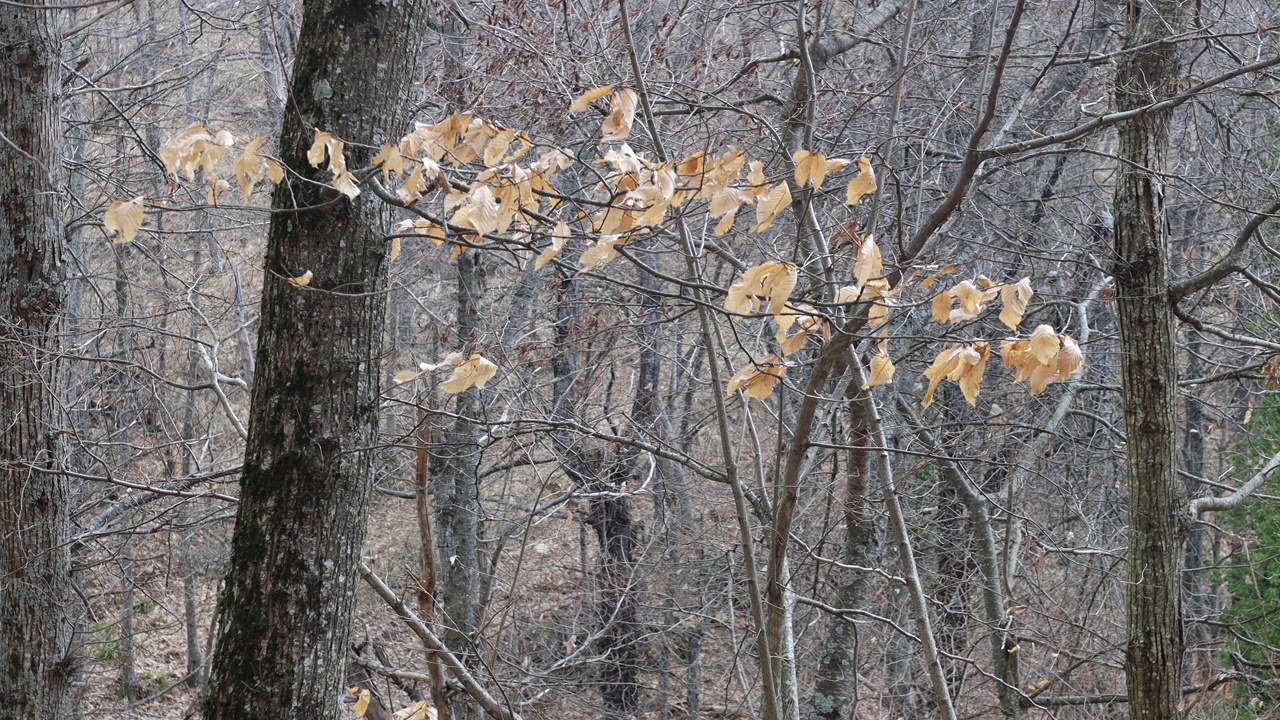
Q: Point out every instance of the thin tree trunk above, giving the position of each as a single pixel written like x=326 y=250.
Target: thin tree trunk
x=37 y=634
x=1149 y=72
x=286 y=606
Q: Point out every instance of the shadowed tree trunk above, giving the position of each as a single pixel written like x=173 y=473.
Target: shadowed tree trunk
x=37 y=654
x=300 y=525
x=1153 y=654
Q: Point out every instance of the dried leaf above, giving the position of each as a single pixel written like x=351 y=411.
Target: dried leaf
x=1044 y=344
x=617 y=126
x=584 y=100
x=391 y=161
x=394 y=253
x=315 y=155
x=970 y=298
x=300 y=281
x=942 y=366
x=864 y=183
x=811 y=168
x=604 y=251
x=475 y=372
x=770 y=204
x=559 y=236
x=868 y=265
x=941 y=306
x=123 y=219
x=362 y=701
x=1014 y=298
x=757 y=378
x=881 y=370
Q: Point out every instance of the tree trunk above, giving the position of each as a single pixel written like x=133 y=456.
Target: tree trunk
x=300 y=525
x=1154 y=645
x=37 y=654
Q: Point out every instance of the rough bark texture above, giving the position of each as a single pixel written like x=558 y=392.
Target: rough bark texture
x=286 y=607
x=1154 y=647
x=37 y=655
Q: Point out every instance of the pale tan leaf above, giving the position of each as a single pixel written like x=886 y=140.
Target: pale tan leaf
x=394 y=253
x=123 y=219
x=1018 y=358
x=497 y=147
x=941 y=306
x=882 y=370
x=302 y=280
x=217 y=186
x=975 y=364
x=1044 y=345
x=584 y=100
x=275 y=173
x=559 y=236
x=481 y=211
x=617 y=126
x=770 y=204
x=943 y=365
x=315 y=155
x=861 y=185
x=475 y=372
x=811 y=168
x=1014 y=298
x=1070 y=359
x=413 y=188
x=604 y=251
x=757 y=378
x=970 y=298
x=391 y=161
x=868 y=264
x=345 y=183
x=362 y=702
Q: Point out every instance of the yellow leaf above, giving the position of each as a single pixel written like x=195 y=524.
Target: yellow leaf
x=1014 y=298
x=362 y=702
x=757 y=378
x=475 y=372
x=770 y=204
x=970 y=298
x=497 y=147
x=249 y=168
x=772 y=280
x=123 y=219
x=1044 y=344
x=413 y=187
x=481 y=211
x=868 y=264
x=617 y=126
x=391 y=161
x=864 y=183
x=217 y=186
x=301 y=281
x=1070 y=359
x=315 y=155
x=811 y=168
x=941 y=306
x=559 y=236
x=942 y=366
x=1017 y=358
x=405 y=376
x=881 y=370
x=970 y=374
x=584 y=100
x=395 y=250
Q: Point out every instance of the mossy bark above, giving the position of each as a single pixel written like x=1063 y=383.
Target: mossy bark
x=286 y=605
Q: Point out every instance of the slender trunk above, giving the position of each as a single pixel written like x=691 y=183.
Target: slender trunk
x=286 y=606
x=37 y=654
x=1148 y=369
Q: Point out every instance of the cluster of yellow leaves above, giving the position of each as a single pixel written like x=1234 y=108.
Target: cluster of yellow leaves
x=973 y=298
x=965 y=364
x=1044 y=358
x=196 y=149
x=474 y=371
x=326 y=144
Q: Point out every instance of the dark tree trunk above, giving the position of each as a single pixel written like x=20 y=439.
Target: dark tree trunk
x=37 y=612
x=286 y=607
x=1154 y=645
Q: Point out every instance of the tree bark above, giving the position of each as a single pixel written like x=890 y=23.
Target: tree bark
x=286 y=606
x=37 y=638
x=1154 y=644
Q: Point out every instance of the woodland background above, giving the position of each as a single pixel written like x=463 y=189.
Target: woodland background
x=608 y=532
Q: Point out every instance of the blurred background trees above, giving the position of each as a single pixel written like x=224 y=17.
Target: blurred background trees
x=613 y=533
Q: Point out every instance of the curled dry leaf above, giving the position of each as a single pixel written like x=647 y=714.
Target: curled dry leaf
x=123 y=219
x=604 y=251
x=617 y=126
x=770 y=204
x=559 y=236
x=390 y=161
x=868 y=264
x=584 y=100
x=474 y=372
x=962 y=364
x=864 y=183
x=1043 y=359
x=757 y=378
x=1014 y=297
